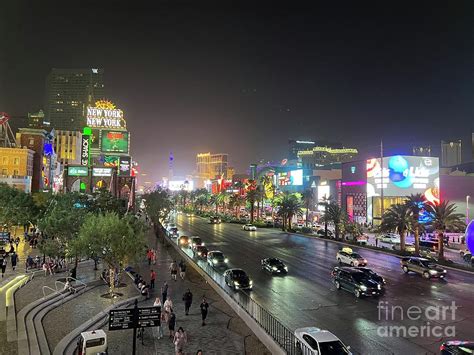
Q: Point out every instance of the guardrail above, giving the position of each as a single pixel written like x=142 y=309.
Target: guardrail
x=271 y=325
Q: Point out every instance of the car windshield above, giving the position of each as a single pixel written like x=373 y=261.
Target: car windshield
x=218 y=256
x=197 y=240
x=356 y=256
x=360 y=277
x=275 y=262
x=333 y=348
x=428 y=264
x=239 y=273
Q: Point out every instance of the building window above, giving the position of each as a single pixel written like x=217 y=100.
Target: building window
x=15 y=172
x=5 y=172
x=16 y=161
x=31 y=141
x=5 y=160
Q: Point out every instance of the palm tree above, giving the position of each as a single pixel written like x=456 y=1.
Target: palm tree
x=203 y=198
x=326 y=201
x=444 y=217
x=251 y=197
x=416 y=203
x=289 y=206
x=335 y=214
x=398 y=218
x=307 y=197
x=236 y=202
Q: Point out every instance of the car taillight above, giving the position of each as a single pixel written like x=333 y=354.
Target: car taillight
x=442 y=347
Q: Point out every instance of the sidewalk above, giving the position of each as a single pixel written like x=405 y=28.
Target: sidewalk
x=224 y=333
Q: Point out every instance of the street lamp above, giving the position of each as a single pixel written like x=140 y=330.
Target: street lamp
x=467 y=209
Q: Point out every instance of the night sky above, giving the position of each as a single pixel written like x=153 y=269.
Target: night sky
x=242 y=77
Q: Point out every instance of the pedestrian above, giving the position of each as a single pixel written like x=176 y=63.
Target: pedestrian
x=174 y=270
x=180 y=340
x=13 y=260
x=152 y=279
x=164 y=292
x=153 y=256
x=199 y=352
x=4 y=265
x=204 y=307
x=73 y=274
x=188 y=300
x=149 y=256
x=171 y=323
x=157 y=304
x=45 y=268
x=182 y=269
x=168 y=306
x=29 y=262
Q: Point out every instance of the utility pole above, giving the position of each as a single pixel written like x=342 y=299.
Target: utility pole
x=381 y=179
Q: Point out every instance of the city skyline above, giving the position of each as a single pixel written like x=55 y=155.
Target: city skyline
x=288 y=71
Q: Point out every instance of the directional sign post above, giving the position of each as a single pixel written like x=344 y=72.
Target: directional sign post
x=133 y=318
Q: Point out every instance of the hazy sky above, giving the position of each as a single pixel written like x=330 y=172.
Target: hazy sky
x=242 y=77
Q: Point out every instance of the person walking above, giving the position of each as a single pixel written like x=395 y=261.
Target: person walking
x=168 y=306
x=180 y=340
x=4 y=265
x=158 y=304
x=164 y=292
x=152 y=279
x=13 y=260
x=172 y=323
x=188 y=300
x=149 y=255
x=204 y=308
x=174 y=270
x=182 y=269
x=153 y=256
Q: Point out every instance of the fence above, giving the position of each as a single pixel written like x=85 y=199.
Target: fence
x=281 y=335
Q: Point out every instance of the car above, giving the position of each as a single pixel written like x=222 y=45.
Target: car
x=373 y=275
x=312 y=340
x=322 y=233
x=249 y=227
x=457 y=347
x=409 y=247
x=468 y=258
x=274 y=266
x=422 y=266
x=170 y=225
x=183 y=241
x=189 y=215
x=200 y=251
x=391 y=238
x=214 y=220
x=237 y=279
x=347 y=256
x=195 y=241
x=356 y=281
x=216 y=258
x=174 y=232
x=92 y=342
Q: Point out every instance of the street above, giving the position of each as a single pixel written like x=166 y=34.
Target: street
x=307 y=296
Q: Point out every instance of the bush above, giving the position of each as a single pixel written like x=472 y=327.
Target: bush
x=306 y=230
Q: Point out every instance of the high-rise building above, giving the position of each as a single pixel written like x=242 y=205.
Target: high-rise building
x=37 y=120
x=422 y=151
x=16 y=167
x=324 y=155
x=451 y=153
x=68 y=93
x=295 y=146
x=67 y=145
x=211 y=166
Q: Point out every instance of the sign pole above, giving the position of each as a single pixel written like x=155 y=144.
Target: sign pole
x=135 y=325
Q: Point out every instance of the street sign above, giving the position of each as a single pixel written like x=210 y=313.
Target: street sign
x=149 y=317
x=4 y=237
x=121 y=319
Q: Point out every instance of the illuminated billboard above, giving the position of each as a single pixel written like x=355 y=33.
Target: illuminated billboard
x=124 y=166
x=177 y=185
x=403 y=175
x=290 y=178
x=105 y=115
x=101 y=171
x=78 y=171
x=114 y=142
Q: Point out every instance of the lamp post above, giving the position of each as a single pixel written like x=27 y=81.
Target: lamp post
x=467 y=209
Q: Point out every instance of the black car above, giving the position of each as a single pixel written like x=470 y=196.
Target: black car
x=373 y=275
x=274 y=265
x=457 y=347
x=194 y=242
x=237 y=279
x=214 y=220
x=356 y=281
x=174 y=232
x=200 y=251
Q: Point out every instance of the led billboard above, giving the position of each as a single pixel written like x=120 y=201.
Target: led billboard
x=403 y=175
x=101 y=171
x=114 y=142
x=124 y=166
x=290 y=178
x=177 y=185
x=78 y=171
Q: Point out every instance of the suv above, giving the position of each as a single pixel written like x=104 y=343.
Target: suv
x=216 y=258
x=355 y=281
x=237 y=279
x=347 y=256
x=312 y=340
x=423 y=267
x=214 y=220
x=194 y=242
x=200 y=251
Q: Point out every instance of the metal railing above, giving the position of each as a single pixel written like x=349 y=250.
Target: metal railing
x=275 y=328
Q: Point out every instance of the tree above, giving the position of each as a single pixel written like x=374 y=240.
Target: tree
x=16 y=207
x=398 y=218
x=335 y=214
x=443 y=218
x=118 y=241
x=289 y=207
x=202 y=198
x=236 y=202
x=416 y=203
x=325 y=202
x=158 y=205
x=307 y=198
x=103 y=201
x=251 y=197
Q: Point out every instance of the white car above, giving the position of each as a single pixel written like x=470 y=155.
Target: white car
x=312 y=340
x=170 y=225
x=391 y=238
x=347 y=256
x=249 y=227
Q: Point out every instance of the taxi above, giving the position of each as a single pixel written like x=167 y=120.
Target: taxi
x=349 y=257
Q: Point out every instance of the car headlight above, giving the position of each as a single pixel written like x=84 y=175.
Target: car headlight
x=274 y=268
x=202 y=243
x=364 y=261
x=383 y=280
x=251 y=283
x=286 y=268
x=226 y=260
x=214 y=261
x=236 y=283
x=199 y=253
x=379 y=286
x=433 y=272
x=363 y=287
